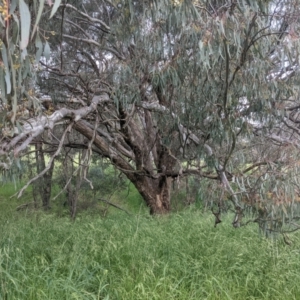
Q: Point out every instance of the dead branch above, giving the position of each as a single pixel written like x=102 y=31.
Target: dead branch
x=114 y=205
x=24 y=206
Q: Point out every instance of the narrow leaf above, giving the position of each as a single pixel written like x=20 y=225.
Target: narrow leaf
x=39 y=46
x=55 y=7
x=38 y=17
x=2 y=21
x=47 y=50
x=17 y=30
x=131 y=11
x=13 y=5
x=25 y=23
x=2 y=87
x=7 y=73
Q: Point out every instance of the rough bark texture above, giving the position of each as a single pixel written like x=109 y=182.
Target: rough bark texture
x=156 y=193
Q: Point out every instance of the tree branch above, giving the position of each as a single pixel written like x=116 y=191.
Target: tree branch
x=93 y=42
x=34 y=127
x=93 y=20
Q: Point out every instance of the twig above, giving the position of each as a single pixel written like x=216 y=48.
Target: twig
x=91 y=19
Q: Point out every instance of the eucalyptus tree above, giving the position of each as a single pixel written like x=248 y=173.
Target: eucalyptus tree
x=165 y=89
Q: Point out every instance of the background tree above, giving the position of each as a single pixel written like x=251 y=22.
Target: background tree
x=166 y=89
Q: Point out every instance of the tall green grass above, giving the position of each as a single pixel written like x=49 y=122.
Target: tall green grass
x=8 y=204
x=181 y=256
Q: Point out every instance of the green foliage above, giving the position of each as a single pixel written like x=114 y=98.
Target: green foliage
x=131 y=198
x=203 y=80
x=106 y=180
x=8 y=204
x=120 y=257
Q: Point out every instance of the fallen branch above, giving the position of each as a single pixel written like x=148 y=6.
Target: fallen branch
x=114 y=205
x=24 y=206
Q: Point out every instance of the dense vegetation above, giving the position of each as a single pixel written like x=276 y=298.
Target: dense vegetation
x=184 y=109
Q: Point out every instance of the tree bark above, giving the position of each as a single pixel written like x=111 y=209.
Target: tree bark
x=42 y=187
x=156 y=193
x=153 y=181
x=47 y=185
x=73 y=186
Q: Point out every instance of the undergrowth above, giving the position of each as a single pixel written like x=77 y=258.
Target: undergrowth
x=180 y=256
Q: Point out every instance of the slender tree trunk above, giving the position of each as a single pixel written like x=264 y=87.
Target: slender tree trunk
x=73 y=208
x=35 y=195
x=42 y=187
x=73 y=188
x=36 y=186
x=47 y=187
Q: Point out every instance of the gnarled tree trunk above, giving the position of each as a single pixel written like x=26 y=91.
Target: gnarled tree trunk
x=156 y=193
x=150 y=166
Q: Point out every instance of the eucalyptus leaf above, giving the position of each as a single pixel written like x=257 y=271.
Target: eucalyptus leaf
x=7 y=69
x=39 y=46
x=38 y=17
x=16 y=28
x=2 y=22
x=2 y=86
x=47 y=50
x=55 y=7
x=25 y=18
x=13 y=5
